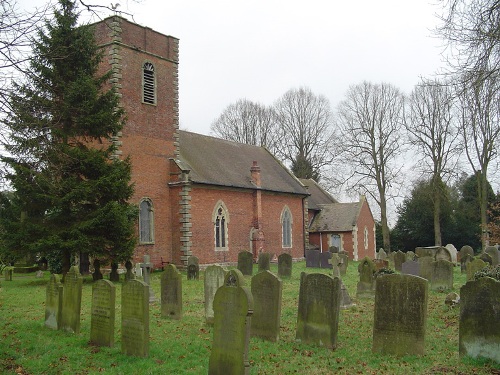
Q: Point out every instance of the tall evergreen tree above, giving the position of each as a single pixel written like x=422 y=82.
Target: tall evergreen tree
x=71 y=193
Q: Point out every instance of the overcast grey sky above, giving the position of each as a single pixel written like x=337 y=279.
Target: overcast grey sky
x=259 y=49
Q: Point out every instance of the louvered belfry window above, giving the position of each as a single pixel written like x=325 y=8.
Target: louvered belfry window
x=149 y=83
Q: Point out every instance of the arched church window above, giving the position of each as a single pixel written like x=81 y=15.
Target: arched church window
x=148 y=83
x=146 y=232
x=220 y=220
x=286 y=225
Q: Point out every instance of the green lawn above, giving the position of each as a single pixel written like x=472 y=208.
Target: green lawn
x=183 y=347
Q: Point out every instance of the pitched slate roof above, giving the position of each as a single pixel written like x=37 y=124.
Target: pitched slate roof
x=336 y=217
x=219 y=162
x=318 y=195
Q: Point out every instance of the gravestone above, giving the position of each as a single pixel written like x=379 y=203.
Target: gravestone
x=214 y=279
x=442 y=275
x=233 y=307
x=380 y=263
x=264 y=261
x=479 y=325
x=312 y=258
x=442 y=253
x=366 y=284
x=333 y=249
x=426 y=267
x=53 y=302
x=135 y=318
x=466 y=249
x=285 y=265
x=129 y=275
x=171 y=292
x=453 y=253
x=344 y=263
x=245 y=263
x=146 y=268
x=411 y=267
x=464 y=262
x=266 y=292
x=318 y=311
x=334 y=263
x=381 y=254
x=138 y=271
x=97 y=274
x=324 y=259
x=426 y=251
x=193 y=268
x=492 y=251
x=114 y=275
x=71 y=301
x=345 y=298
x=7 y=273
x=410 y=255
x=399 y=259
x=102 y=313
x=400 y=315
x=485 y=257
x=474 y=266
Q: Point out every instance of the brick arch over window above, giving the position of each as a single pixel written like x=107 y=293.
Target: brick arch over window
x=286 y=220
x=146 y=221
x=220 y=220
x=148 y=83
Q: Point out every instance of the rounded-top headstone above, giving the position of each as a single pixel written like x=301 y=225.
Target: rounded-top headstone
x=234 y=278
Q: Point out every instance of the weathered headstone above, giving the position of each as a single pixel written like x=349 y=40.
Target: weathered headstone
x=426 y=267
x=264 y=261
x=7 y=273
x=266 y=292
x=193 y=268
x=464 y=262
x=97 y=275
x=427 y=251
x=381 y=254
x=171 y=292
x=344 y=263
x=312 y=258
x=146 y=268
x=319 y=307
x=135 y=318
x=53 y=302
x=442 y=253
x=466 y=249
x=474 y=266
x=442 y=275
x=493 y=252
x=138 y=271
x=233 y=307
x=245 y=263
x=345 y=298
x=114 y=275
x=214 y=279
x=71 y=301
x=453 y=253
x=102 y=313
x=399 y=259
x=400 y=315
x=129 y=274
x=335 y=265
x=324 y=259
x=485 y=257
x=479 y=327
x=285 y=265
x=411 y=267
x=410 y=255
x=366 y=284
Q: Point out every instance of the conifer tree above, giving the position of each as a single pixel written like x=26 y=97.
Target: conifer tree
x=71 y=194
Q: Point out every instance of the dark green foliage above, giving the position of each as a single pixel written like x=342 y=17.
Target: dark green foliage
x=302 y=168
x=383 y=271
x=70 y=193
x=489 y=271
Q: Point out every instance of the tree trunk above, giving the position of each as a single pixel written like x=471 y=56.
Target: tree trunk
x=483 y=206
x=383 y=221
x=436 y=191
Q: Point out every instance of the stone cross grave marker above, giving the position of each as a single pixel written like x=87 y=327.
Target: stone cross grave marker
x=312 y=258
x=474 y=266
x=135 y=318
x=266 y=292
x=245 y=263
x=233 y=308
x=53 y=302
x=102 y=313
x=442 y=275
x=193 y=268
x=344 y=263
x=479 y=324
x=492 y=251
x=71 y=301
x=335 y=264
x=214 y=279
x=264 y=261
x=426 y=267
x=171 y=293
x=319 y=308
x=400 y=315
x=285 y=265
x=366 y=285
x=399 y=259
x=146 y=268
x=411 y=267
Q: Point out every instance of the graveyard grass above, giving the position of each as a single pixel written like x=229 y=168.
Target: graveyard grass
x=183 y=346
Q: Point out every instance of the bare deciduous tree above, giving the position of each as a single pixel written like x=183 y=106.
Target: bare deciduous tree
x=369 y=120
x=432 y=129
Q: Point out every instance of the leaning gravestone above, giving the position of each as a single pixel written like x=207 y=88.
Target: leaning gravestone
x=479 y=327
x=319 y=307
x=245 y=263
x=233 y=306
x=492 y=251
x=324 y=259
x=102 y=313
x=97 y=274
x=344 y=263
x=485 y=257
x=214 y=279
x=266 y=292
x=53 y=302
x=171 y=293
x=193 y=268
x=135 y=318
x=442 y=275
x=442 y=253
x=71 y=301
x=426 y=267
x=312 y=258
x=285 y=265
x=410 y=267
x=464 y=262
x=264 y=261
x=399 y=259
x=466 y=249
x=400 y=315
x=474 y=266
x=453 y=253
x=366 y=284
